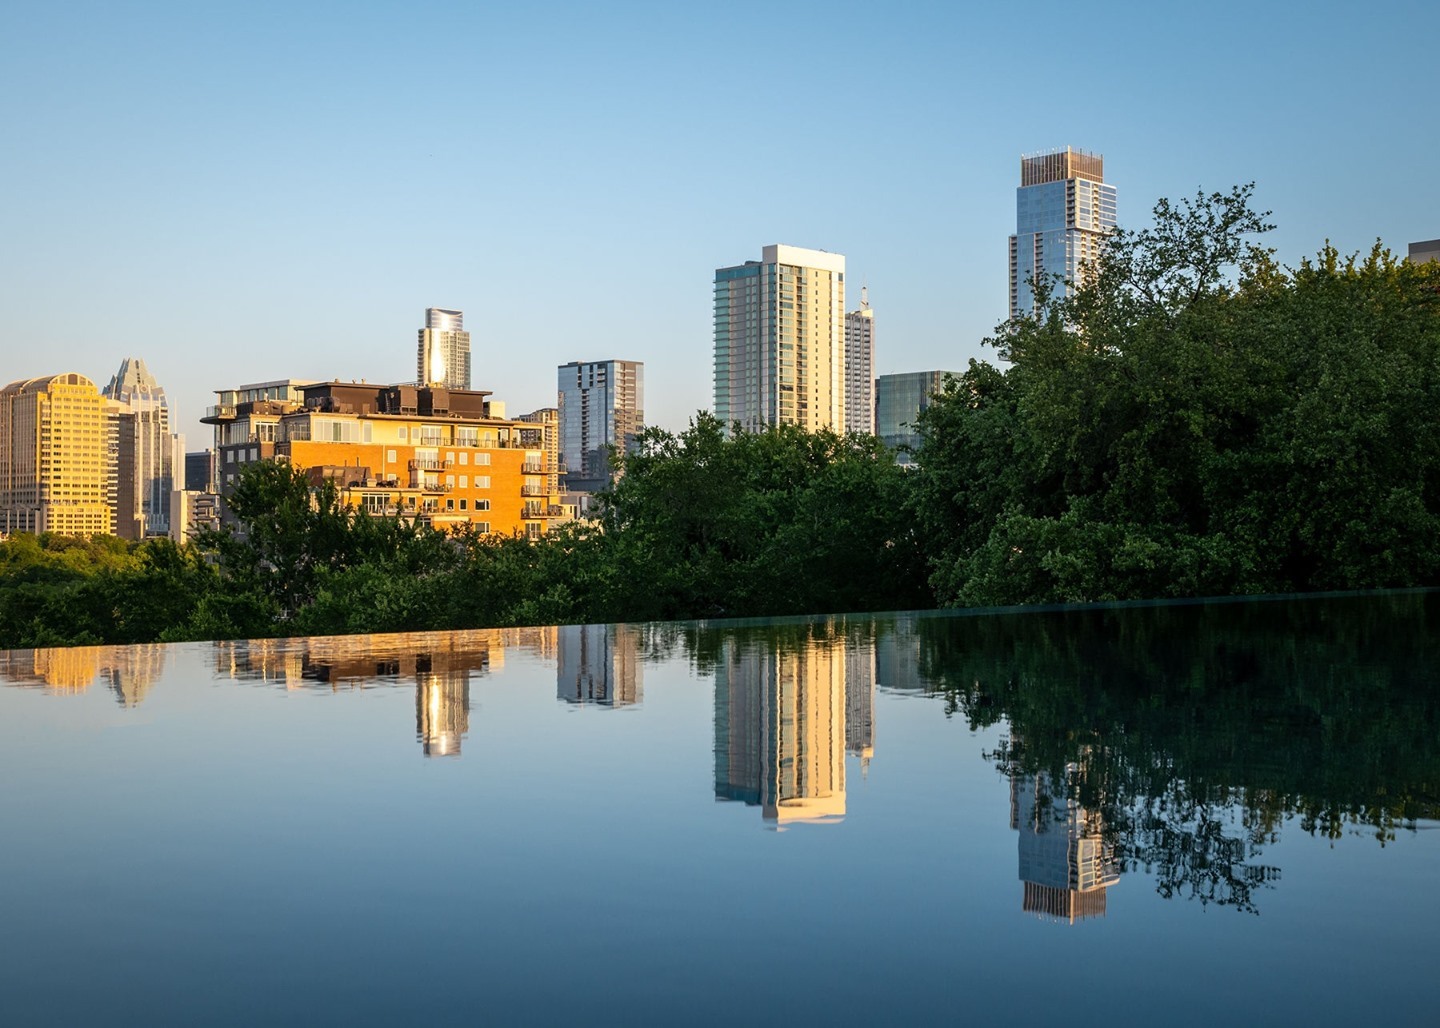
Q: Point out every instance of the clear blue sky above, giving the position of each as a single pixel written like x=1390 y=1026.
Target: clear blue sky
x=239 y=192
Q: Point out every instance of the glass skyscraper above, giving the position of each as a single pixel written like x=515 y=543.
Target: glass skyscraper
x=1063 y=211
x=899 y=399
x=602 y=404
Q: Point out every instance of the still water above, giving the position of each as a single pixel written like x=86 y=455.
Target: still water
x=1125 y=816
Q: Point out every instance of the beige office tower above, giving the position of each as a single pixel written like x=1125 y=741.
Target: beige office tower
x=142 y=452
x=444 y=352
x=860 y=367
x=780 y=730
x=52 y=457
x=780 y=341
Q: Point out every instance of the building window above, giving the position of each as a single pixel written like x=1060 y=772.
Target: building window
x=464 y=482
x=449 y=504
x=482 y=459
x=482 y=504
x=462 y=503
x=464 y=457
x=390 y=455
x=482 y=481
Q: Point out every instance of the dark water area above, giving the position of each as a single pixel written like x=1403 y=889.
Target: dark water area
x=1133 y=815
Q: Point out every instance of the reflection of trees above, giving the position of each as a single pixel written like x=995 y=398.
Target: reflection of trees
x=1203 y=729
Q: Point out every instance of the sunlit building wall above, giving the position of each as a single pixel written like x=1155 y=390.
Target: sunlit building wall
x=1064 y=209
x=53 y=460
x=442 y=457
x=443 y=357
x=780 y=340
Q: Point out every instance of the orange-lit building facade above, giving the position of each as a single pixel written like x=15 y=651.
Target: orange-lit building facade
x=434 y=454
x=53 y=463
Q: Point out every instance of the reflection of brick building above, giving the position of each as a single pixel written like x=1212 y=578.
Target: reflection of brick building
x=599 y=664
x=439 y=663
x=780 y=729
x=1065 y=863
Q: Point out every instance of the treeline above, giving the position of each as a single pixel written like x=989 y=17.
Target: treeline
x=1195 y=419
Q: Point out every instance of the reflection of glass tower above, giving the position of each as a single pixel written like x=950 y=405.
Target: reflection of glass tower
x=442 y=708
x=1065 y=862
x=599 y=664
x=897 y=658
x=780 y=730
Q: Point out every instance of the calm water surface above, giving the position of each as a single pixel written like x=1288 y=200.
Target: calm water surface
x=1144 y=815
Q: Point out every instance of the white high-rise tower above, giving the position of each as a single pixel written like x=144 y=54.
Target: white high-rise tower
x=444 y=352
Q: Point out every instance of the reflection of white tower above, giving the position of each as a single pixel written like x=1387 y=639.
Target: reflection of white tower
x=860 y=703
x=599 y=664
x=1065 y=862
x=780 y=730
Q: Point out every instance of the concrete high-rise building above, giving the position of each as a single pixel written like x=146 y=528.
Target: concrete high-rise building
x=860 y=367
x=1064 y=209
x=52 y=457
x=899 y=399
x=602 y=404
x=780 y=340
x=444 y=352
x=1424 y=252
x=143 y=451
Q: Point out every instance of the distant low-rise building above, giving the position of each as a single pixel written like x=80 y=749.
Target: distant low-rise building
x=1424 y=252
x=439 y=456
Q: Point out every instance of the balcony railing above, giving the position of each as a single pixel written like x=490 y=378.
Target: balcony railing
x=533 y=510
x=531 y=467
x=429 y=465
x=532 y=490
x=218 y=411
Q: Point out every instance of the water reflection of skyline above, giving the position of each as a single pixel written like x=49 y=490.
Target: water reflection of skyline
x=128 y=671
x=1066 y=863
x=781 y=725
x=599 y=665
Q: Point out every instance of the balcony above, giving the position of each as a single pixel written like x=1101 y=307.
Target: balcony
x=532 y=490
x=532 y=511
x=429 y=465
x=531 y=467
x=219 y=412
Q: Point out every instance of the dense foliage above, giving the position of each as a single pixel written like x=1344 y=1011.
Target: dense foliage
x=1194 y=419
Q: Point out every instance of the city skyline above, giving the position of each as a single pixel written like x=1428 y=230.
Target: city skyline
x=175 y=204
